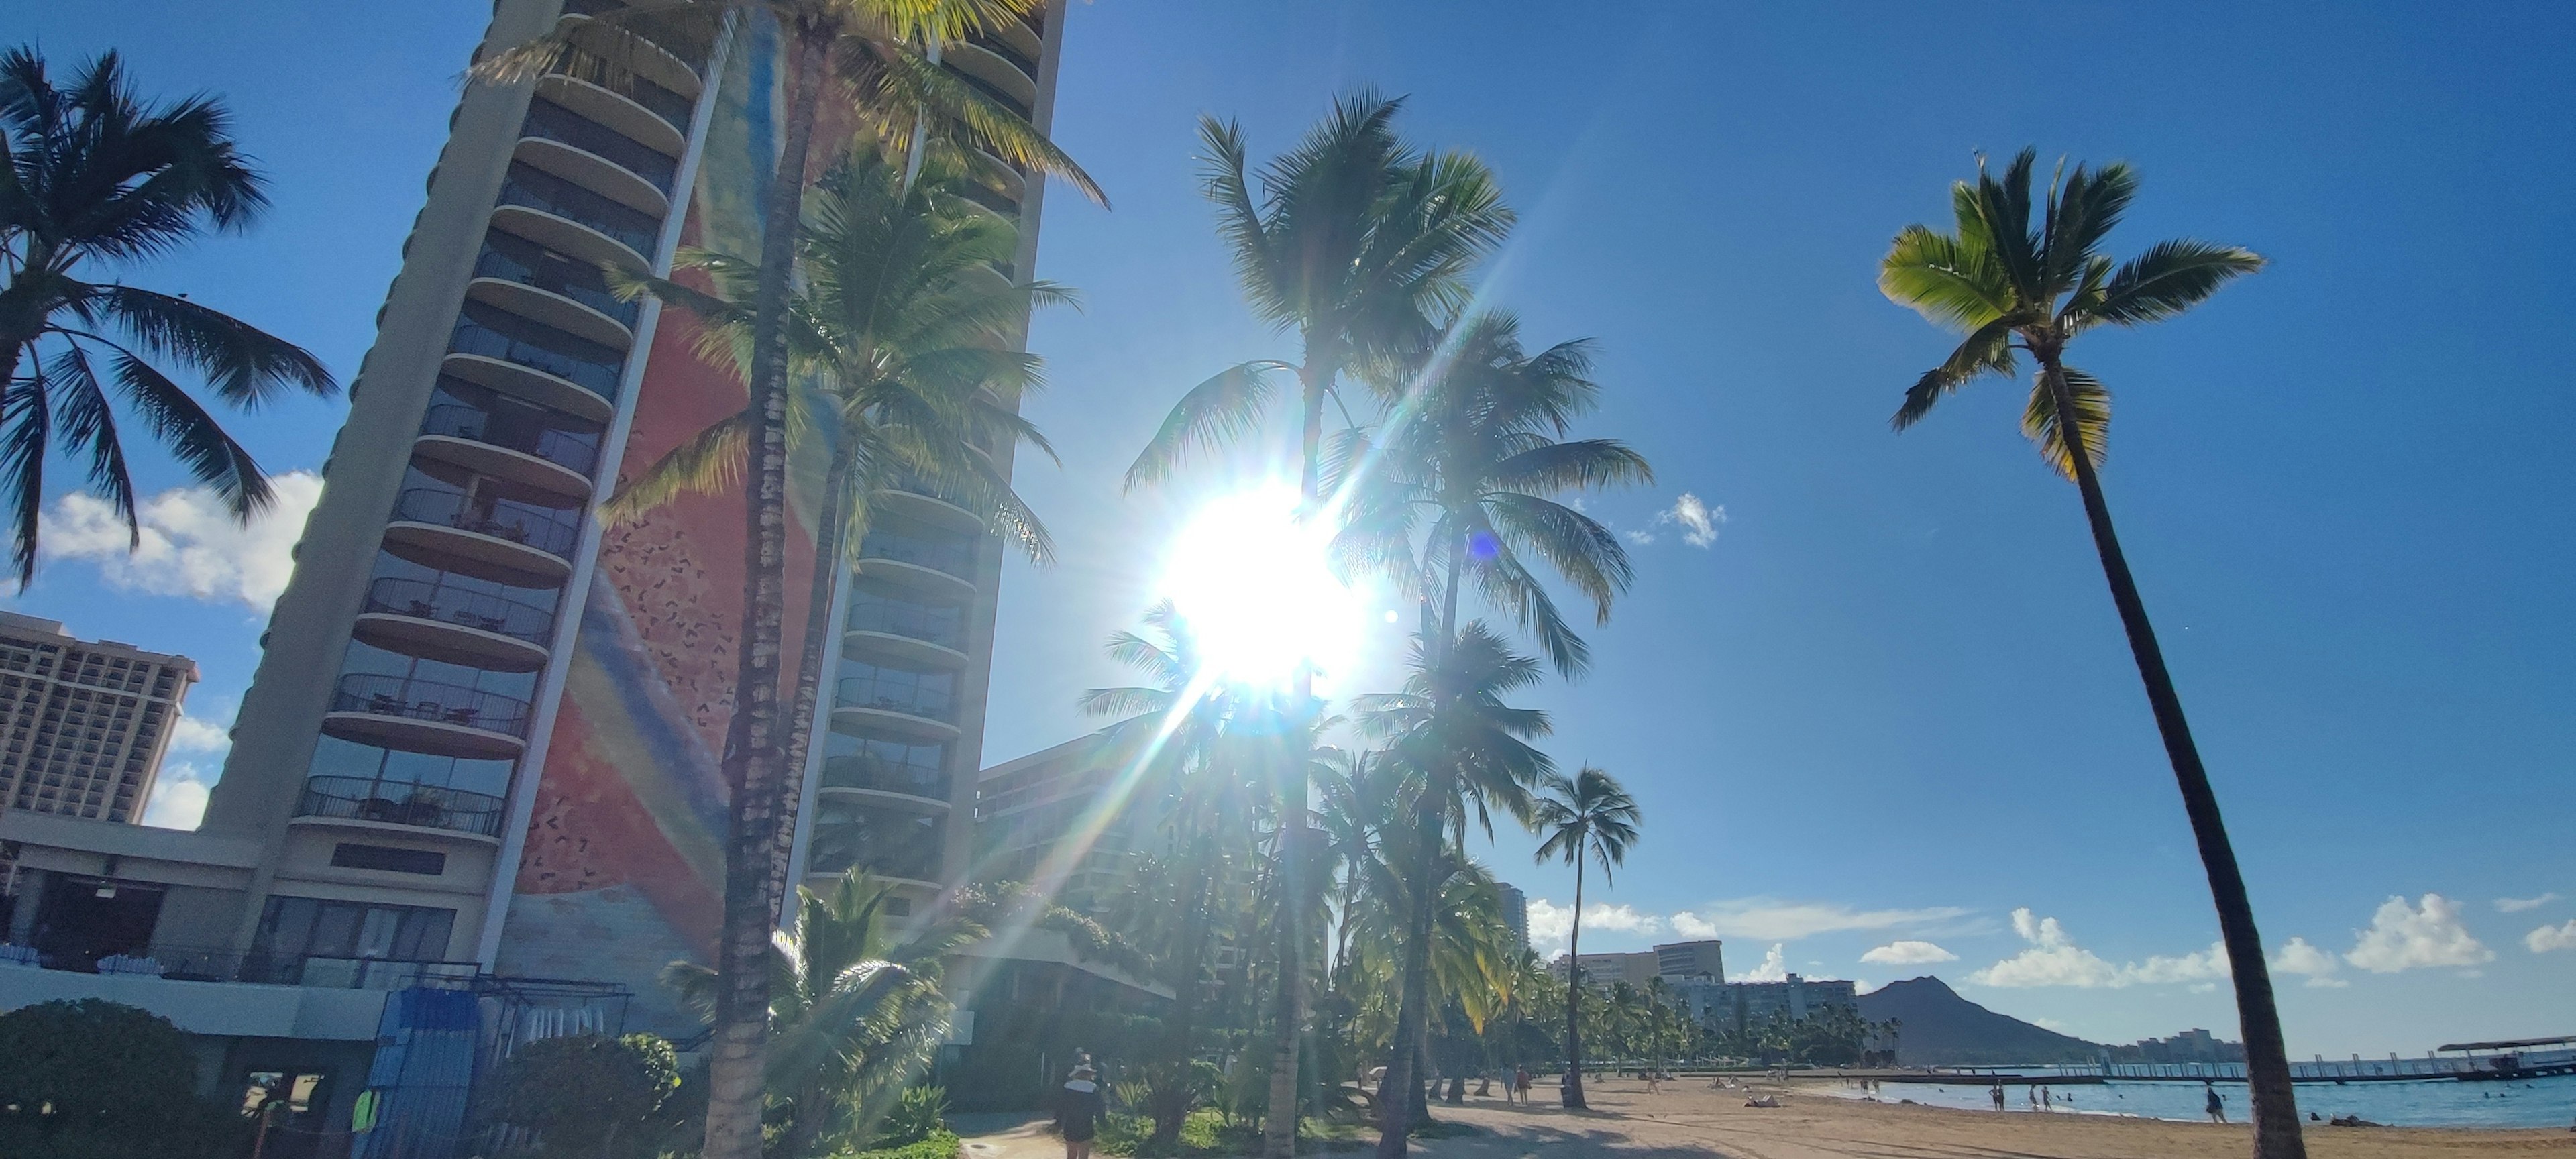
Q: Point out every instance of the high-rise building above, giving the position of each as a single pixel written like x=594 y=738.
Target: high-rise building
x=87 y=721
x=1065 y=820
x=1515 y=912
x=1700 y=959
x=487 y=727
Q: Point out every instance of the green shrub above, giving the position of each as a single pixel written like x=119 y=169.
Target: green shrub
x=941 y=1144
x=585 y=1095
x=921 y=1113
x=94 y=1079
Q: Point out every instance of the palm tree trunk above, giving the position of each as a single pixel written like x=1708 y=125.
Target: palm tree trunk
x=752 y=761
x=1279 y=1122
x=822 y=620
x=2267 y=1058
x=1574 y=995
x=1171 y=1112
x=1413 y=1006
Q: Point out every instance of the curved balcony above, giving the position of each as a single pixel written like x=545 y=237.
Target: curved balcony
x=929 y=504
x=564 y=217
x=1016 y=45
x=503 y=533
x=596 y=157
x=375 y=803
x=457 y=625
x=550 y=459
x=655 y=62
x=990 y=62
x=941 y=566
x=510 y=258
x=620 y=111
x=514 y=355
x=999 y=90
x=868 y=775
x=904 y=633
x=891 y=842
x=863 y=705
x=426 y=716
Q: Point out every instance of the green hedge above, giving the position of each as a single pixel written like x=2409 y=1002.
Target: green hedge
x=942 y=1145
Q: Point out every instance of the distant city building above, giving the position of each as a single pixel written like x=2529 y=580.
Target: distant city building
x=1515 y=912
x=88 y=721
x=2193 y=1045
x=1604 y=970
x=1740 y=1004
x=1027 y=809
x=1700 y=959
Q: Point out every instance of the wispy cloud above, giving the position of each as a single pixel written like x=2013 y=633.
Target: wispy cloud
x=1697 y=521
x=2404 y=937
x=1771 y=919
x=2515 y=905
x=1908 y=953
x=2318 y=966
x=190 y=544
x=197 y=745
x=2053 y=959
x=1551 y=926
x=2548 y=938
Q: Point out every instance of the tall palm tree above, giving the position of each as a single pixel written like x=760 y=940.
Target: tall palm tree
x=858 y=1012
x=900 y=332
x=1472 y=453
x=96 y=174
x=876 y=54
x=2012 y=287
x=1587 y=816
x=1360 y=244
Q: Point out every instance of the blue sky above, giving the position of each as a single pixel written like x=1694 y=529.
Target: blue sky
x=1888 y=703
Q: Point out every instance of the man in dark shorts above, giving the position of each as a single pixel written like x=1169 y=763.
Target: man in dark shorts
x=1078 y=1110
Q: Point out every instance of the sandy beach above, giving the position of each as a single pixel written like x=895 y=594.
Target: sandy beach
x=1688 y=1120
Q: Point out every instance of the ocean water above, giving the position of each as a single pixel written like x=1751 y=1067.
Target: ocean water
x=2543 y=1102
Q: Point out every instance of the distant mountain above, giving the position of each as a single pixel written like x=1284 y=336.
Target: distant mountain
x=1942 y=1029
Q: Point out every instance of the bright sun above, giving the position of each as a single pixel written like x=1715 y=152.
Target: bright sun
x=1253 y=584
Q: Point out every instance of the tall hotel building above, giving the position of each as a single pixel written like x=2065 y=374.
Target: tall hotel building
x=487 y=726
x=86 y=722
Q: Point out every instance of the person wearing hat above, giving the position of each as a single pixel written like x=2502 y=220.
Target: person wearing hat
x=1078 y=1110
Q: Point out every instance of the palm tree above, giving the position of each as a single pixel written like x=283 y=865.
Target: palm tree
x=877 y=54
x=94 y=173
x=1473 y=451
x=1360 y=244
x=857 y=1013
x=2010 y=287
x=1586 y=816
x=900 y=333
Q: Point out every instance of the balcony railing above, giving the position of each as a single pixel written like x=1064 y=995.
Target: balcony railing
x=483 y=611
x=213 y=964
x=423 y=700
x=534 y=188
x=556 y=123
x=907 y=697
x=885 y=849
x=865 y=772
x=575 y=451
x=397 y=803
x=949 y=556
x=988 y=88
x=941 y=626
x=529 y=264
x=544 y=528
x=1002 y=48
x=661 y=102
x=537 y=346
x=687 y=55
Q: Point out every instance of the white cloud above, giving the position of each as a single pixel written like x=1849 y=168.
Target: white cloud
x=2402 y=937
x=2548 y=938
x=1640 y=538
x=178 y=797
x=2515 y=905
x=1908 y=953
x=1769 y=919
x=1774 y=968
x=2318 y=966
x=1699 y=521
x=1621 y=918
x=2053 y=959
x=1551 y=925
x=190 y=544
x=192 y=735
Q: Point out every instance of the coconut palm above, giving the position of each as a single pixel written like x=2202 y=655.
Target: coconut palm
x=95 y=174
x=2014 y=288
x=1586 y=816
x=876 y=54
x=857 y=1014
x=1360 y=244
x=900 y=332
x=1472 y=452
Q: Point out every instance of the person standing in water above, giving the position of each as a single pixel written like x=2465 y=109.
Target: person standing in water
x=1999 y=1096
x=1078 y=1110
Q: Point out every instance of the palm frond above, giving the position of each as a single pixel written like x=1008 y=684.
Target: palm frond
x=1215 y=412
x=2039 y=421
x=2169 y=278
x=704 y=463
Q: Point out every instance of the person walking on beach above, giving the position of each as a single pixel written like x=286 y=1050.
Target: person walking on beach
x=1078 y=1111
x=2217 y=1104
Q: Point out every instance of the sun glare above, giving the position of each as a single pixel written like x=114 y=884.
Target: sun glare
x=1253 y=584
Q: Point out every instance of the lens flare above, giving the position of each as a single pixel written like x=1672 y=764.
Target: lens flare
x=1252 y=581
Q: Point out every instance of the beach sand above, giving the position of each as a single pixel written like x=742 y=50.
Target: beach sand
x=1689 y=1121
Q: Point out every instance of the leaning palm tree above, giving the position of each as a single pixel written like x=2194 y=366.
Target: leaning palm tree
x=1473 y=454
x=901 y=334
x=2012 y=287
x=94 y=174
x=877 y=55
x=857 y=1013
x=1588 y=816
x=1360 y=244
